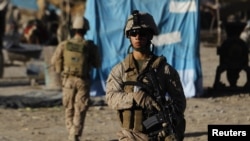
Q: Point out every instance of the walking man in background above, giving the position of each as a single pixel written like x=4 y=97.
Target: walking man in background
x=74 y=59
x=145 y=90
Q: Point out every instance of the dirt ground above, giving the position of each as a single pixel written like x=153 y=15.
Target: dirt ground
x=47 y=124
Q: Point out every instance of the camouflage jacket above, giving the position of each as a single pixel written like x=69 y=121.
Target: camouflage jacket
x=119 y=99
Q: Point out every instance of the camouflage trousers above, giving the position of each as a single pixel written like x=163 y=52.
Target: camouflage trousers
x=76 y=102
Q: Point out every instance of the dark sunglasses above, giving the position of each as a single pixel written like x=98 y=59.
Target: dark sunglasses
x=140 y=32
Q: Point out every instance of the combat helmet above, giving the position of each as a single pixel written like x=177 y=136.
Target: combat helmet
x=80 y=22
x=140 y=21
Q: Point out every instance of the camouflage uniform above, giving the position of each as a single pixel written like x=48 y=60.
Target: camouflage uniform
x=76 y=86
x=120 y=96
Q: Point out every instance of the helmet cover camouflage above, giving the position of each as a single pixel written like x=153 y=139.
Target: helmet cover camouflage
x=140 y=20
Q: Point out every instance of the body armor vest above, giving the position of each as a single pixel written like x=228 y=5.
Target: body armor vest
x=75 y=57
x=133 y=118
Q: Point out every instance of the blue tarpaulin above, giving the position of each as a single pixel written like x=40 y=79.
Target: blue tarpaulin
x=178 y=41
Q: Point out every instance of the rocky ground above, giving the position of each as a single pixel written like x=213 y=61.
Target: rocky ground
x=47 y=123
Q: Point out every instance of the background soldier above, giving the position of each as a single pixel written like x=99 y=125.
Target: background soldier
x=140 y=98
x=74 y=59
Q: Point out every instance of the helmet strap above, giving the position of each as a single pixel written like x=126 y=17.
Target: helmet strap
x=129 y=47
x=153 y=47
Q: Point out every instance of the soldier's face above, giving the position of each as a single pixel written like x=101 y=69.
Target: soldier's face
x=138 y=38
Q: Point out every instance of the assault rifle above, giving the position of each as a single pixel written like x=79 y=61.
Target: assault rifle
x=165 y=117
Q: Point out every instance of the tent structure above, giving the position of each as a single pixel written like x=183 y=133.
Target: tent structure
x=178 y=41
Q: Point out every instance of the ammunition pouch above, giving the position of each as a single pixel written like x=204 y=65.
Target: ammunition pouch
x=131 y=119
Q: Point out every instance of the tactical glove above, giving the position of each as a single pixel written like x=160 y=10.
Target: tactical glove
x=163 y=134
x=145 y=101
